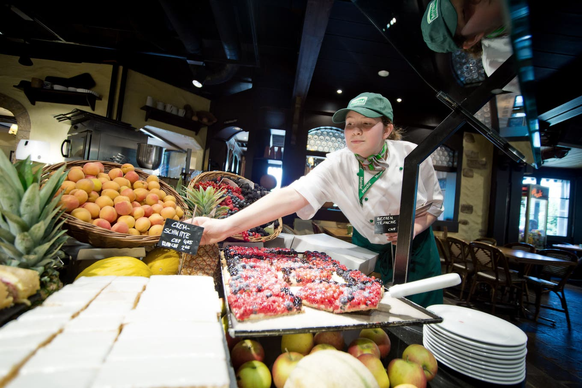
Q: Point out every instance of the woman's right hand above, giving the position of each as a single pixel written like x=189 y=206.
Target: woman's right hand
x=214 y=229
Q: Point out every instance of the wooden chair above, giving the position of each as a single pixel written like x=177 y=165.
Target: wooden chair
x=521 y=246
x=488 y=240
x=443 y=254
x=491 y=267
x=461 y=262
x=552 y=278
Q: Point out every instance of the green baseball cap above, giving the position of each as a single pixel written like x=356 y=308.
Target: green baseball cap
x=367 y=104
x=439 y=25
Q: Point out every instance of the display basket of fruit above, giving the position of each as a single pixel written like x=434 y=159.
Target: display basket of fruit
x=240 y=192
x=111 y=205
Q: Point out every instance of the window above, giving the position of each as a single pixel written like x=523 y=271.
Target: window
x=558 y=204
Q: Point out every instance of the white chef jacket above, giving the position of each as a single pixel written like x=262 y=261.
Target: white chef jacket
x=336 y=179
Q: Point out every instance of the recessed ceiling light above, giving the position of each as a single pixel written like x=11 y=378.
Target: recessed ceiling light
x=339 y=91
x=197 y=83
x=383 y=73
x=399 y=100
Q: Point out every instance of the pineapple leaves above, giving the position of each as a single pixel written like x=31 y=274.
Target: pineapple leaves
x=24 y=243
x=9 y=196
x=30 y=205
x=11 y=175
x=24 y=170
x=6 y=236
x=11 y=251
x=49 y=189
x=17 y=224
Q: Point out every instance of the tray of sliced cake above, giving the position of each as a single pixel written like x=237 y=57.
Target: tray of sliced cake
x=275 y=291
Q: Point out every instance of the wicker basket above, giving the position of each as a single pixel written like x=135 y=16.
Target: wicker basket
x=205 y=176
x=104 y=238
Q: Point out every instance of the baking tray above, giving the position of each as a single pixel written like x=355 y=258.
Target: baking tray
x=390 y=312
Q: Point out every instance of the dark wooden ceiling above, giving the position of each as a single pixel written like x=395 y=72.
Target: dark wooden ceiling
x=310 y=47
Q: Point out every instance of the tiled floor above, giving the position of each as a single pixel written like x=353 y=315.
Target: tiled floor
x=554 y=356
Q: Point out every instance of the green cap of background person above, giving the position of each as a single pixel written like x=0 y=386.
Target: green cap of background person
x=367 y=104
x=438 y=26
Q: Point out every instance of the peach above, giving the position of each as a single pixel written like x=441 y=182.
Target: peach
x=156 y=230
x=101 y=166
x=129 y=220
x=67 y=186
x=81 y=195
x=137 y=212
x=169 y=204
x=122 y=182
x=121 y=198
x=132 y=176
x=176 y=218
x=136 y=204
x=86 y=185
x=91 y=168
x=179 y=211
x=69 y=203
x=110 y=193
x=157 y=219
x=134 y=232
x=140 y=194
x=140 y=185
x=111 y=185
x=102 y=175
x=153 y=185
x=123 y=208
x=142 y=224
x=129 y=194
x=100 y=222
x=115 y=173
x=75 y=174
x=120 y=227
x=152 y=178
x=90 y=176
x=93 y=208
x=127 y=167
x=147 y=210
x=157 y=208
x=168 y=212
x=152 y=199
x=103 y=201
x=108 y=213
x=93 y=195
x=160 y=193
x=97 y=184
x=82 y=214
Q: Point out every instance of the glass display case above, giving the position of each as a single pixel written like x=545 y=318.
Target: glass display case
x=533 y=219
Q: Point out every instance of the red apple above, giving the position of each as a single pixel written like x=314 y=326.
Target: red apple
x=300 y=343
x=253 y=374
x=246 y=350
x=361 y=346
x=424 y=357
x=401 y=371
x=333 y=338
x=322 y=347
x=283 y=366
x=375 y=366
x=380 y=337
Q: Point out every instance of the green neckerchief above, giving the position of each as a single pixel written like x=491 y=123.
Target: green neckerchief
x=363 y=188
x=497 y=33
x=372 y=161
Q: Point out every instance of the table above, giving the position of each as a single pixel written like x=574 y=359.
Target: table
x=341 y=233
x=528 y=258
x=577 y=249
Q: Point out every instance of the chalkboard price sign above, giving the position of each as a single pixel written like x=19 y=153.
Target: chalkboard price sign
x=180 y=236
x=385 y=224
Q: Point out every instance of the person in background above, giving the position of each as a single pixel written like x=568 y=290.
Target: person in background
x=364 y=180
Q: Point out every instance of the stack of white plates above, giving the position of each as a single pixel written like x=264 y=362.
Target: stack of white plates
x=477 y=344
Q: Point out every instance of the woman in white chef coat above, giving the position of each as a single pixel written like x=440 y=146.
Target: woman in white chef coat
x=365 y=181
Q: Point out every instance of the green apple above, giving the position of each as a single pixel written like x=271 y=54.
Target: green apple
x=322 y=347
x=333 y=338
x=361 y=346
x=375 y=366
x=253 y=374
x=424 y=357
x=246 y=350
x=401 y=371
x=300 y=343
x=283 y=366
x=380 y=337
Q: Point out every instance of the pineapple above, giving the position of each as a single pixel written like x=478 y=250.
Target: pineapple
x=204 y=202
x=31 y=233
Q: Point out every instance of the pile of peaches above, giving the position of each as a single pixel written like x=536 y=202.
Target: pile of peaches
x=118 y=200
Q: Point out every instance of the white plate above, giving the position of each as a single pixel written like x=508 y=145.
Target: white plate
x=487 y=366
x=479 y=376
x=446 y=337
x=478 y=326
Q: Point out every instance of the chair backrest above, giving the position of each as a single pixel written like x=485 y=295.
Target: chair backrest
x=488 y=240
x=443 y=253
x=521 y=246
x=458 y=251
x=555 y=271
x=487 y=257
